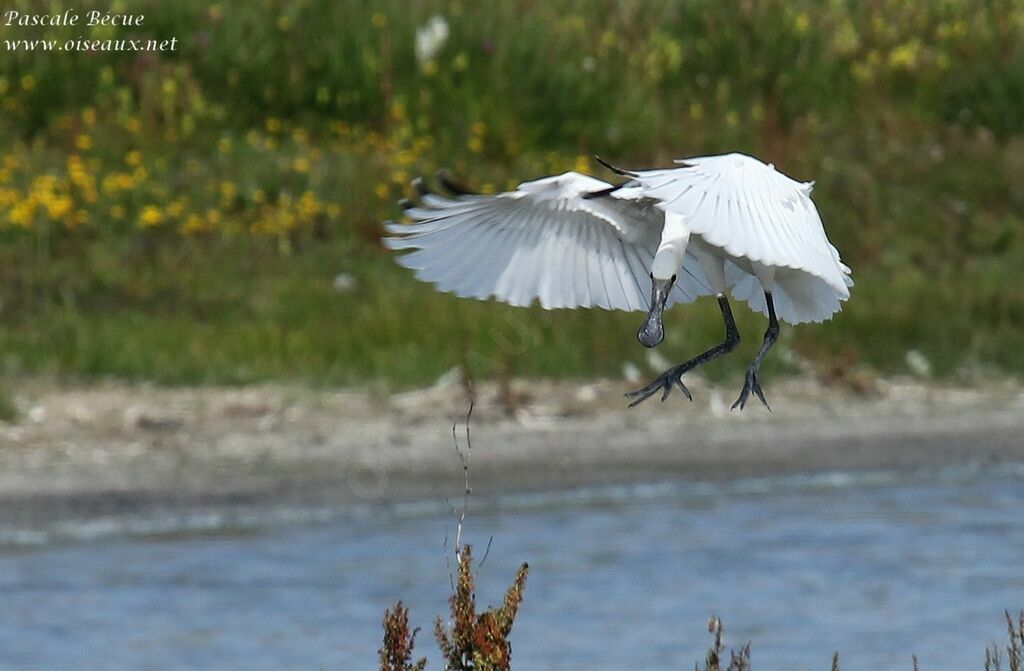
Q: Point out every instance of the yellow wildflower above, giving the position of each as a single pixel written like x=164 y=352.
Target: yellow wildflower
x=57 y=206
x=83 y=142
x=802 y=23
x=177 y=207
x=193 y=224
x=905 y=55
x=23 y=213
x=228 y=191
x=151 y=216
x=309 y=205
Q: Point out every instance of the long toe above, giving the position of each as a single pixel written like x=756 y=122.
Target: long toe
x=756 y=387
x=665 y=382
x=682 y=388
x=751 y=384
x=641 y=395
x=741 y=402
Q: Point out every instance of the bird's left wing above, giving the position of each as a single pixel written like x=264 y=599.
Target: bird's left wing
x=750 y=210
x=551 y=240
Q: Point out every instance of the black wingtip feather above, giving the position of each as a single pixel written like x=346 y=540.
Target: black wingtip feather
x=617 y=171
x=445 y=179
x=602 y=192
x=421 y=186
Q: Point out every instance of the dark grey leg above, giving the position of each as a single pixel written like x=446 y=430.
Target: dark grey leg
x=752 y=384
x=674 y=376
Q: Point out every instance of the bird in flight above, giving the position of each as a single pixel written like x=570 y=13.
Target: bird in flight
x=711 y=225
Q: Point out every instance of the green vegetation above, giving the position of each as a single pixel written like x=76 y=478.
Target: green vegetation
x=212 y=214
x=8 y=410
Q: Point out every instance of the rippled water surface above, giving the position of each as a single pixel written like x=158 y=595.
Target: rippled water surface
x=877 y=566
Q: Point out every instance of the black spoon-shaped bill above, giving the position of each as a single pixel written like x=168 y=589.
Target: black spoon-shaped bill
x=652 y=332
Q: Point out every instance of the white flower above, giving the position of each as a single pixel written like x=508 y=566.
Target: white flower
x=430 y=38
x=344 y=282
x=918 y=363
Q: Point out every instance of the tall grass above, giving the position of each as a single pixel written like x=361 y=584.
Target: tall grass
x=182 y=216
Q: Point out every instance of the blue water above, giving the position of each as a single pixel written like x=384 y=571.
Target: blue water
x=877 y=566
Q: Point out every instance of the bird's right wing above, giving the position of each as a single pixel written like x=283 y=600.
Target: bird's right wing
x=547 y=241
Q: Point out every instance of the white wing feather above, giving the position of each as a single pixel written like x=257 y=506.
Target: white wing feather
x=751 y=211
x=544 y=241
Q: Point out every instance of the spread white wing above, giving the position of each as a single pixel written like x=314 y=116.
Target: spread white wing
x=547 y=241
x=751 y=211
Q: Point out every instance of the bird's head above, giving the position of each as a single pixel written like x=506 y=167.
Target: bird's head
x=653 y=332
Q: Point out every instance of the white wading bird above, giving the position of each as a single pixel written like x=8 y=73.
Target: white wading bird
x=714 y=224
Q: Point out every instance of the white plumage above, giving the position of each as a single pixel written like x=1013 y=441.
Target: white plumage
x=747 y=211
x=548 y=241
x=545 y=241
x=713 y=225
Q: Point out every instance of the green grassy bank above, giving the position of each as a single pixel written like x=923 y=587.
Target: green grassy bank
x=212 y=214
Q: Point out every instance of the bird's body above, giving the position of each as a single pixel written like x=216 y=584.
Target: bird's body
x=714 y=225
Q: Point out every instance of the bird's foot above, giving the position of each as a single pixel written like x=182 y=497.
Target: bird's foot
x=664 y=382
x=752 y=384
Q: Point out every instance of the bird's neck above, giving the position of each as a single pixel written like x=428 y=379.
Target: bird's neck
x=674 y=238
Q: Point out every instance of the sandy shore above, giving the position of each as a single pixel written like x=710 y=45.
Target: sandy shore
x=113 y=447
